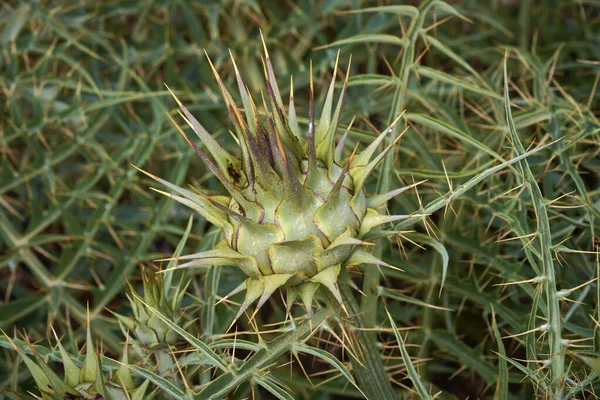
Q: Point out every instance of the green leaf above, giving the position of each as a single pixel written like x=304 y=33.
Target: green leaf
x=239 y=344
x=485 y=298
x=411 y=371
x=442 y=5
x=501 y=392
x=180 y=246
x=72 y=371
x=450 y=53
x=442 y=201
x=140 y=392
x=525 y=370
x=408 y=11
x=369 y=38
x=553 y=313
x=372 y=79
x=531 y=338
x=41 y=380
x=274 y=387
x=16 y=20
x=453 y=80
x=58 y=386
x=162 y=383
x=467 y=356
x=265 y=357
x=442 y=127
x=392 y=294
x=13 y=310
x=440 y=248
x=89 y=370
x=328 y=358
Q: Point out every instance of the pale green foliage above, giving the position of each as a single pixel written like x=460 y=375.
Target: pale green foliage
x=489 y=281
x=87 y=381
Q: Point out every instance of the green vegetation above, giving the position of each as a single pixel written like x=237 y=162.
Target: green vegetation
x=493 y=291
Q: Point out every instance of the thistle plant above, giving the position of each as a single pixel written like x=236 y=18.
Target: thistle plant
x=152 y=335
x=86 y=381
x=297 y=212
x=149 y=330
x=499 y=298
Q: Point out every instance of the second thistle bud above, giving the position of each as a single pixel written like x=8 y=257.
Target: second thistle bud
x=148 y=329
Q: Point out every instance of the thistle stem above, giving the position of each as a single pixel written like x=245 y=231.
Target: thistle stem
x=371 y=376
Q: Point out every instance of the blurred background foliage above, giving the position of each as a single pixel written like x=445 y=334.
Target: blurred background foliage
x=83 y=98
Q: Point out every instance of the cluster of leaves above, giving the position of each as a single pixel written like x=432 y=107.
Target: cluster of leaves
x=497 y=292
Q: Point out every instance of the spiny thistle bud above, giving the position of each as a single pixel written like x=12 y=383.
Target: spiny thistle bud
x=88 y=382
x=149 y=330
x=297 y=212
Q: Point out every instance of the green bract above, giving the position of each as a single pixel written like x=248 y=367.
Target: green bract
x=88 y=382
x=149 y=330
x=297 y=211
